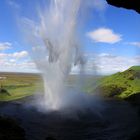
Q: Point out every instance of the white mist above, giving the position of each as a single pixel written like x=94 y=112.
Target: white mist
x=56 y=49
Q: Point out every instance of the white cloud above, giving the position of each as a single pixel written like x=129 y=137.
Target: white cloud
x=18 y=67
x=5 y=46
x=17 y=61
x=104 y=35
x=137 y=44
x=15 y=55
x=19 y=55
x=103 y=63
x=107 y=63
x=12 y=60
x=13 y=3
x=3 y=55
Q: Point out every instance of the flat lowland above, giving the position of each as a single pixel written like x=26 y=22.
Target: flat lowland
x=18 y=85
x=15 y=86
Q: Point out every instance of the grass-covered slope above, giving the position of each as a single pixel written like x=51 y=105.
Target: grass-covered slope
x=121 y=84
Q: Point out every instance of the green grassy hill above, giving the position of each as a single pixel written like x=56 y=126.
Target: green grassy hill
x=120 y=85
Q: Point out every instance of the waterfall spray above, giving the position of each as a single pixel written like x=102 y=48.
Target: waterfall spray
x=55 y=47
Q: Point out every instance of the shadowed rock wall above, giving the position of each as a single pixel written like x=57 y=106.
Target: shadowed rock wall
x=128 y=4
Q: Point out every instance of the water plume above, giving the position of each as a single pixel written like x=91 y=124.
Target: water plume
x=55 y=48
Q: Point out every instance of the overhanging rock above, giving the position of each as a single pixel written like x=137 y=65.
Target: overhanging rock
x=128 y=4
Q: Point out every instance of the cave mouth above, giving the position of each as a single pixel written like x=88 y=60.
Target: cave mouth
x=82 y=125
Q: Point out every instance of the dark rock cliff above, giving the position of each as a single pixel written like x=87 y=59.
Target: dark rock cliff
x=128 y=4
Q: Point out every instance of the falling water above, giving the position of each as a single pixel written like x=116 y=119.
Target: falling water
x=58 y=33
x=55 y=47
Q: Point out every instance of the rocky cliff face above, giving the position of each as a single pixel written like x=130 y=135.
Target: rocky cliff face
x=128 y=4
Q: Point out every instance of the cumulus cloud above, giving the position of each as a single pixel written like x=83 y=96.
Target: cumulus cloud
x=5 y=46
x=16 y=55
x=19 y=55
x=18 y=67
x=3 y=55
x=103 y=63
x=17 y=61
x=106 y=63
x=104 y=35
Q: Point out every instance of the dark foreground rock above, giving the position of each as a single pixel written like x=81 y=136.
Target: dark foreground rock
x=128 y=4
x=50 y=138
x=10 y=130
x=134 y=99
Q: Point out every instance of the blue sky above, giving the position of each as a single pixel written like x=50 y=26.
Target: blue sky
x=110 y=36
